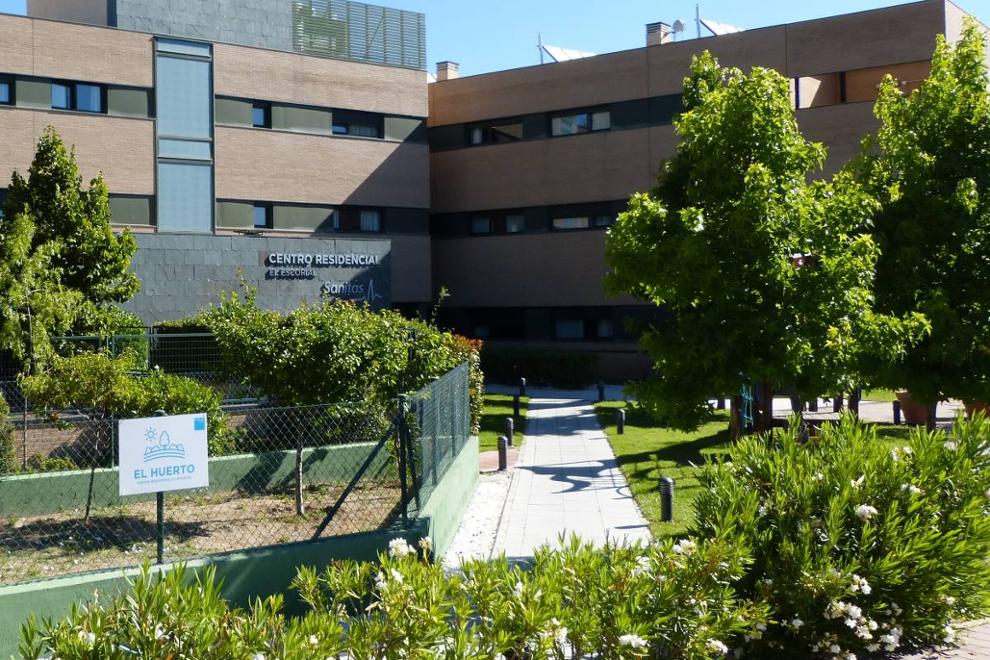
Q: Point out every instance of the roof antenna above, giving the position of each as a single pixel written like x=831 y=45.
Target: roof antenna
x=697 y=18
x=539 y=45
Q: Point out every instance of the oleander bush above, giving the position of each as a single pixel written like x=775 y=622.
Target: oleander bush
x=859 y=545
x=667 y=600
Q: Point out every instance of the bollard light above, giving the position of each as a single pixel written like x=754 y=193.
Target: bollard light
x=897 y=412
x=666 y=499
x=601 y=391
x=620 y=420
x=510 y=428
x=503 y=453
x=522 y=387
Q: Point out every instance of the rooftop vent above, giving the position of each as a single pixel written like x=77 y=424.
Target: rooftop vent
x=448 y=70
x=658 y=33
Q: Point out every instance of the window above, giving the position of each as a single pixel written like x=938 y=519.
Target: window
x=261 y=115
x=61 y=96
x=262 y=216
x=605 y=329
x=371 y=221
x=358 y=124
x=580 y=122
x=183 y=94
x=476 y=136
x=88 y=98
x=571 y=223
x=602 y=220
x=185 y=197
x=515 y=224
x=569 y=329
x=6 y=92
x=510 y=131
x=481 y=225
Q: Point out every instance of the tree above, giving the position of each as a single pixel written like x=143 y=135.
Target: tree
x=929 y=165
x=62 y=268
x=764 y=277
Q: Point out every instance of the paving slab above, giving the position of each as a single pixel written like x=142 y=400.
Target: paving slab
x=566 y=481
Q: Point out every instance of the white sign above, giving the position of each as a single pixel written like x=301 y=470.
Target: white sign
x=163 y=453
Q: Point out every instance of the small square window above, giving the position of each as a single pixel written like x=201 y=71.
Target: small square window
x=601 y=121
x=88 y=98
x=262 y=216
x=476 y=135
x=6 y=92
x=371 y=221
x=61 y=96
x=603 y=220
x=515 y=224
x=481 y=225
x=569 y=329
x=605 y=329
x=340 y=129
x=261 y=115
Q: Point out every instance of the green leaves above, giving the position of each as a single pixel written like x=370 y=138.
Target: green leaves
x=763 y=276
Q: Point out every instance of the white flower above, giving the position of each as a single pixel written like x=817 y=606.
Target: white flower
x=87 y=638
x=865 y=511
x=817 y=476
x=895 y=609
x=762 y=627
x=762 y=511
x=898 y=453
x=851 y=623
x=159 y=631
x=949 y=600
x=717 y=646
x=519 y=589
x=950 y=445
x=426 y=543
x=950 y=635
x=258 y=656
x=861 y=585
x=873 y=648
x=684 y=547
x=632 y=641
x=856 y=483
x=796 y=623
x=380 y=583
x=314 y=640
x=835 y=649
x=910 y=488
x=398 y=548
x=396 y=575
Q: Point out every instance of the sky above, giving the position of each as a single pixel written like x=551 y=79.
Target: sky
x=502 y=34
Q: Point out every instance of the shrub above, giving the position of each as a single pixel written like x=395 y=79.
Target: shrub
x=858 y=545
x=548 y=367
x=8 y=456
x=617 y=602
x=39 y=463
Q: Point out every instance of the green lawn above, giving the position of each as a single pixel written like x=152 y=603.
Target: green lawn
x=879 y=395
x=497 y=408
x=645 y=453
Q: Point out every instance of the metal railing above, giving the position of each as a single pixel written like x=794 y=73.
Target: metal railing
x=277 y=475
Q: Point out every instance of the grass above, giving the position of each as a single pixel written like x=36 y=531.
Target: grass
x=879 y=395
x=497 y=408
x=646 y=452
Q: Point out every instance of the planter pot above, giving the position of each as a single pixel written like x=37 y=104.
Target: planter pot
x=912 y=411
x=977 y=406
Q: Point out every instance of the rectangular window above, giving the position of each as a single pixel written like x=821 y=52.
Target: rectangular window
x=262 y=216
x=88 y=98
x=605 y=329
x=579 y=222
x=495 y=133
x=61 y=96
x=481 y=225
x=371 y=221
x=185 y=197
x=358 y=124
x=603 y=220
x=580 y=122
x=476 y=136
x=183 y=92
x=6 y=92
x=261 y=115
x=515 y=224
x=569 y=329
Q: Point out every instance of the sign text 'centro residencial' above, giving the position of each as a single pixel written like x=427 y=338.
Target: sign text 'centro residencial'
x=305 y=266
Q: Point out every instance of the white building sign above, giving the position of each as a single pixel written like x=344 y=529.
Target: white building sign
x=163 y=453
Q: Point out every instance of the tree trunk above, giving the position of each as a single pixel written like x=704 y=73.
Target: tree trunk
x=854 y=400
x=763 y=408
x=735 y=415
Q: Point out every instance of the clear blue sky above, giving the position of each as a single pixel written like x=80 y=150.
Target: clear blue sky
x=501 y=34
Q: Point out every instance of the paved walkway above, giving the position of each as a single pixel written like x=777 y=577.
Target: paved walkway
x=566 y=481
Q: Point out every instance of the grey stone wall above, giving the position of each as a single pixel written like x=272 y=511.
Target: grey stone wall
x=263 y=23
x=182 y=274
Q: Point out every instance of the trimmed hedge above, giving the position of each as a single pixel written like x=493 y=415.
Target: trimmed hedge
x=539 y=366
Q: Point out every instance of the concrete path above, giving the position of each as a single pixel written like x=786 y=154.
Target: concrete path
x=566 y=481
x=974 y=642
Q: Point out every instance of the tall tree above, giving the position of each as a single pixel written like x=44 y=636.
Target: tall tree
x=62 y=268
x=764 y=277
x=929 y=165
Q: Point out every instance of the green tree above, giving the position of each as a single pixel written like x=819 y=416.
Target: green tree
x=763 y=277
x=62 y=268
x=929 y=165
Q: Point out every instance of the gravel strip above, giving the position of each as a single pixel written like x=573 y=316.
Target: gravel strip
x=476 y=535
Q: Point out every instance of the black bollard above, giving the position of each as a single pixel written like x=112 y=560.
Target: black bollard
x=601 y=391
x=837 y=403
x=720 y=403
x=503 y=453
x=897 y=412
x=666 y=499
x=515 y=405
x=510 y=428
x=522 y=387
x=813 y=405
x=620 y=420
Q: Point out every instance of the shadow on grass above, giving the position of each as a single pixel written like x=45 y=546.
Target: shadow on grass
x=684 y=454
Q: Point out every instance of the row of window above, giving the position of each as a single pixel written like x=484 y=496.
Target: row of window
x=574 y=324
x=570 y=123
x=343 y=122
x=6 y=91
x=362 y=220
x=573 y=217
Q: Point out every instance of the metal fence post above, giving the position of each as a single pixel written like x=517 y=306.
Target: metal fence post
x=403 y=485
x=160 y=518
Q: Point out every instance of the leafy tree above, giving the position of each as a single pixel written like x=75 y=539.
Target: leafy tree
x=765 y=278
x=62 y=268
x=929 y=165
